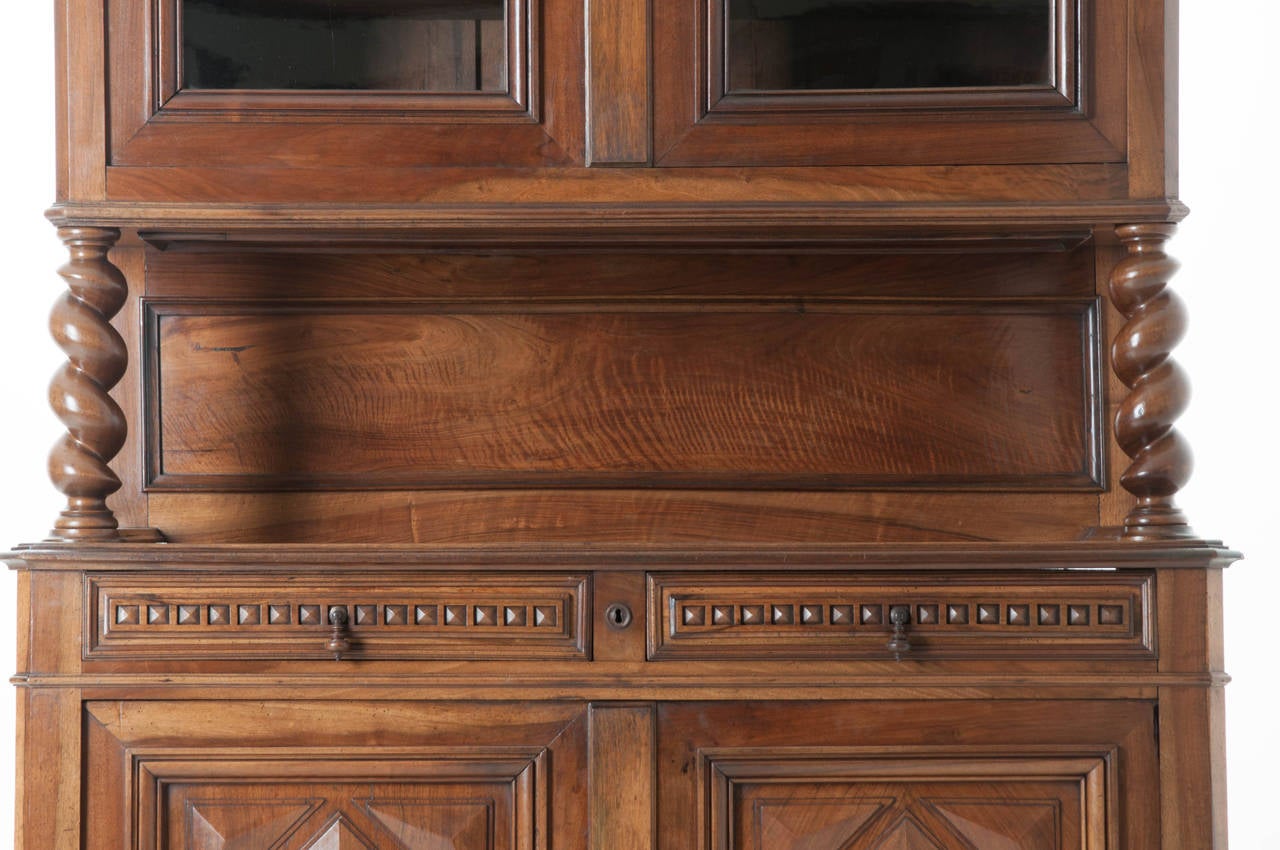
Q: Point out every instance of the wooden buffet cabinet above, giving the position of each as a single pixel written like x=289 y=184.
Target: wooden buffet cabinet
x=631 y=425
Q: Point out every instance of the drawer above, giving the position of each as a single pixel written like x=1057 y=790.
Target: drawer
x=436 y=616
x=1086 y=614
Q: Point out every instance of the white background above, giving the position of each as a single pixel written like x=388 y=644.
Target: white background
x=1229 y=279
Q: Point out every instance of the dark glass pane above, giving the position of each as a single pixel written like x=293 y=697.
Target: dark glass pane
x=888 y=44
x=397 y=45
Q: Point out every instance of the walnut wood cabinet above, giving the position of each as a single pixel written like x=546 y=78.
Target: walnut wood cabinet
x=668 y=425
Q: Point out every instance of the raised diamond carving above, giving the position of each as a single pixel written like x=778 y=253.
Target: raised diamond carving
x=309 y=615
x=447 y=825
x=127 y=615
x=158 y=615
x=248 y=615
x=958 y=615
x=395 y=615
x=1019 y=615
x=871 y=615
x=1004 y=825
x=694 y=615
x=801 y=824
x=1048 y=615
x=339 y=834
x=514 y=615
x=989 y=615
x=366 y=615
x=842 y=615
x=215 y=825
x=1078 y=615
x=426 y=615
x=752 y=615
x=907 y=834
x=486 y=615
x=783 y=615
x=188 y=615
x=926 y=615
x=279 y=615
x=544 y=615
x=722 y=615
x=455 y=615
x=811 y=615
x=1111 y=615
x=219 y=615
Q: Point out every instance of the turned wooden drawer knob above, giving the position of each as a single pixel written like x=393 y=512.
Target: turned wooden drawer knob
x=339 y=642
x=899 y=618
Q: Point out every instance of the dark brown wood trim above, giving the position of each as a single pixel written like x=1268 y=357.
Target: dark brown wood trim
x=1107 y=554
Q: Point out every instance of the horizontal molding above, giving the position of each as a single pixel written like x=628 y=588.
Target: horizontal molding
x=870 y=226
x=1101 y=553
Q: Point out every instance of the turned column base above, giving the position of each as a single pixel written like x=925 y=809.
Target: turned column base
x=86 y=519
x=1156 y=519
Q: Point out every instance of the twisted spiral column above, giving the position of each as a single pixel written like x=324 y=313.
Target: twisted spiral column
x=1159 y=391
x=96 y=360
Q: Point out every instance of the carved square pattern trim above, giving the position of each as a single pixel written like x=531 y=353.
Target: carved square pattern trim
x=435 y=616
x=1089 y=614
x=907 y=799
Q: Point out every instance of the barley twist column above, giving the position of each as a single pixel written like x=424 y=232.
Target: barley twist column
x=1159 y=391
x=96 y=360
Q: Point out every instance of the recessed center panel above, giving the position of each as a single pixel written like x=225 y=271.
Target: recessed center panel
x=816 y=394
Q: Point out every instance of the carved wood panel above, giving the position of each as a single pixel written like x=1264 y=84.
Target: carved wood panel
x=763 y=801
x=1087 y=614
x=432 y=616
x=480 y=778
x=941 y=775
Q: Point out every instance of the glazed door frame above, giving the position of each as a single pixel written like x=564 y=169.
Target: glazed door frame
x=154 y=122
x=1079 y=118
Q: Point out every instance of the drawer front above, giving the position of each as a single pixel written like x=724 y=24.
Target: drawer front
x=439 y=616
x=817 y=616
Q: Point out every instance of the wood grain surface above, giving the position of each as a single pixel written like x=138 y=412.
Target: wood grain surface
x=811 y=395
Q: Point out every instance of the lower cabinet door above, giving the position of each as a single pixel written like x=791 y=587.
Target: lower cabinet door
x=908 y=776
x=334 y=776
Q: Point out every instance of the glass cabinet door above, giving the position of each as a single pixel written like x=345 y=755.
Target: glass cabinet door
x=380 y=45
x=345 y=83
x=812 y=45
x=893 y=82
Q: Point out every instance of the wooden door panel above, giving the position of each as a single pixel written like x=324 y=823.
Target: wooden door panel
x=334 y=776
x=482 y=814
x=700 y=118
x=940 y=775
x=1024 y=814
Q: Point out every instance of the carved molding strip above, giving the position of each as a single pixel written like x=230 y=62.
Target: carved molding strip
x=814 y=616
x=445 y=617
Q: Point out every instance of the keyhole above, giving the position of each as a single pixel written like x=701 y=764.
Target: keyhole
x=617 y=616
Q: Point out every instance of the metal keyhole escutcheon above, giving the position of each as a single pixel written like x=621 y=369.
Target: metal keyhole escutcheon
x=617 y=616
